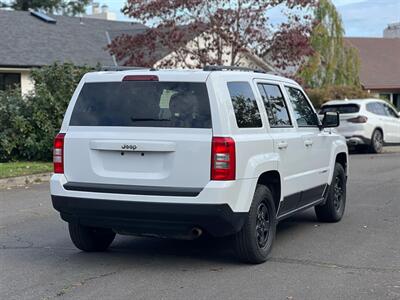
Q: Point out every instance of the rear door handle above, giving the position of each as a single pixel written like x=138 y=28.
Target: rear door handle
x=308 y=143
x=282 y=145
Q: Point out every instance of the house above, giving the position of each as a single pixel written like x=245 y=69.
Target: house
x=392 y=31
x=31 y=40
x=380 y=66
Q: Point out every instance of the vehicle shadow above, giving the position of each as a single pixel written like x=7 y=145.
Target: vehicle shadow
x=205 y=249
x=297 y=222
x=359 y=151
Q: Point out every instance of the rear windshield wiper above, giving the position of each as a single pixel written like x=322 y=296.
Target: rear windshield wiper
x=147 y=119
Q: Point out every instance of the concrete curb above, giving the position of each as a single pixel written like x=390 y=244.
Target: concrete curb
x=11 y=182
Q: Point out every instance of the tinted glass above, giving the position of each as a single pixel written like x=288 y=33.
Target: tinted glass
x=342 y=108
x=244 y=105
x=376 y=108
x=143 y=104
x=275 y=105
x=390 y=112
x=304 y=114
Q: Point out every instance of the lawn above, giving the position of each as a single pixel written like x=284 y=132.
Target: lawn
x=13 y=169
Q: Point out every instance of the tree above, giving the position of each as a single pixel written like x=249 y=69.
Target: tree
x=333 y=62
x=199 y=32
x=65 y=7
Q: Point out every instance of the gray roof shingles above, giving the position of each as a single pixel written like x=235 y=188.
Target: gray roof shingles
x=26 y=41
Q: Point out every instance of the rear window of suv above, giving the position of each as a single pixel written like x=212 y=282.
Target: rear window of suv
x=143 y=104
x=341 y=108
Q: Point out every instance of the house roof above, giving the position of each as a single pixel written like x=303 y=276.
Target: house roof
x=380 y=62
x=27 y=41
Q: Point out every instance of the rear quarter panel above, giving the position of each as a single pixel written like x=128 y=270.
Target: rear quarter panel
x=338 y=146
x=254 y=146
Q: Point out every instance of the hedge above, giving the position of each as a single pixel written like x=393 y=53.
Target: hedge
x=319 y=96
x=28 y=124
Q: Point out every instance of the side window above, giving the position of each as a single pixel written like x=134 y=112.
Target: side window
x=244 y=105
x=390 y=111
x=275 y=105
x=371 y=108
x=304 y=114
x=376 y=108
x=380 y=109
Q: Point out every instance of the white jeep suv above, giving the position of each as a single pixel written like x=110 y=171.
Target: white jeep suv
x=178 y=154
x=370 y=123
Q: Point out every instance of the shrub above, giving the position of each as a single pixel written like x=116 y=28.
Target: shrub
x=28 y=124
x=319 y=96
x=14 y=124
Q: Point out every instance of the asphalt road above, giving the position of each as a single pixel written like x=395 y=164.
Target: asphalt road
x=358 y=258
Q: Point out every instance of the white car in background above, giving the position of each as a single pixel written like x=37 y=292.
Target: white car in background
x=365 y=123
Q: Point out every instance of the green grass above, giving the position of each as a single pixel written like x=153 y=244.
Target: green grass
x=14 y=169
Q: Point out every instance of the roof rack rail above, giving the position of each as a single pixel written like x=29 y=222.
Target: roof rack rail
x=123 y=68
x=231 y=68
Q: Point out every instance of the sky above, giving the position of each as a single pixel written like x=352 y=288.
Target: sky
x=362 y=18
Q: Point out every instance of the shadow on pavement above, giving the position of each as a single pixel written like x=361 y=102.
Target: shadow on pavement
x=171 y=252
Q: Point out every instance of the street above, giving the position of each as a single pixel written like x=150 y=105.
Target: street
x=358 y=258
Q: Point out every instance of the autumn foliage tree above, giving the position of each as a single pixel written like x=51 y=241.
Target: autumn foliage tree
x=200 y=32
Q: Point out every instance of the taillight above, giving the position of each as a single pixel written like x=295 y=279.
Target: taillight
x=58 y=153
x=359 y=119
x=223 y=159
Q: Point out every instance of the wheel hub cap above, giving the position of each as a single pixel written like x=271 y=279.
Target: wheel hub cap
x=262 y=225
x=338 y=193
x=378 y=141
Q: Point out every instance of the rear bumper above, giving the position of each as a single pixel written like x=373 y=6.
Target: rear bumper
x=234 y=193
x=150 y=218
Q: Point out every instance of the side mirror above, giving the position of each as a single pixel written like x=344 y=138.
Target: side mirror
x=331 y=119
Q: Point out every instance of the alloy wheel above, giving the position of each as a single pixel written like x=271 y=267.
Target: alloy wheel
x=262 y=225
x=338 y=192
x=378 y=141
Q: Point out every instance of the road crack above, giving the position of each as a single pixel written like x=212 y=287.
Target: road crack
x=72 y=286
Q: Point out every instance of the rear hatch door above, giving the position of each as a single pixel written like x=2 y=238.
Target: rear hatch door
x=140 y=132
x=346 y=111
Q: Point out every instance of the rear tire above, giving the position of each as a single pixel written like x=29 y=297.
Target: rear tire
x=376 y=141
x=254 y=241
x=333 y=209
x=90 y=239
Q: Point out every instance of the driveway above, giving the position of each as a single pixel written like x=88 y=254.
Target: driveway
x=358 y=258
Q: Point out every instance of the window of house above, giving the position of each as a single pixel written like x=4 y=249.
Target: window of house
x=244 y=105
x=304 y=114
x=275 y=105
x=9 y=80
x=396 y=101
x=385 y=96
